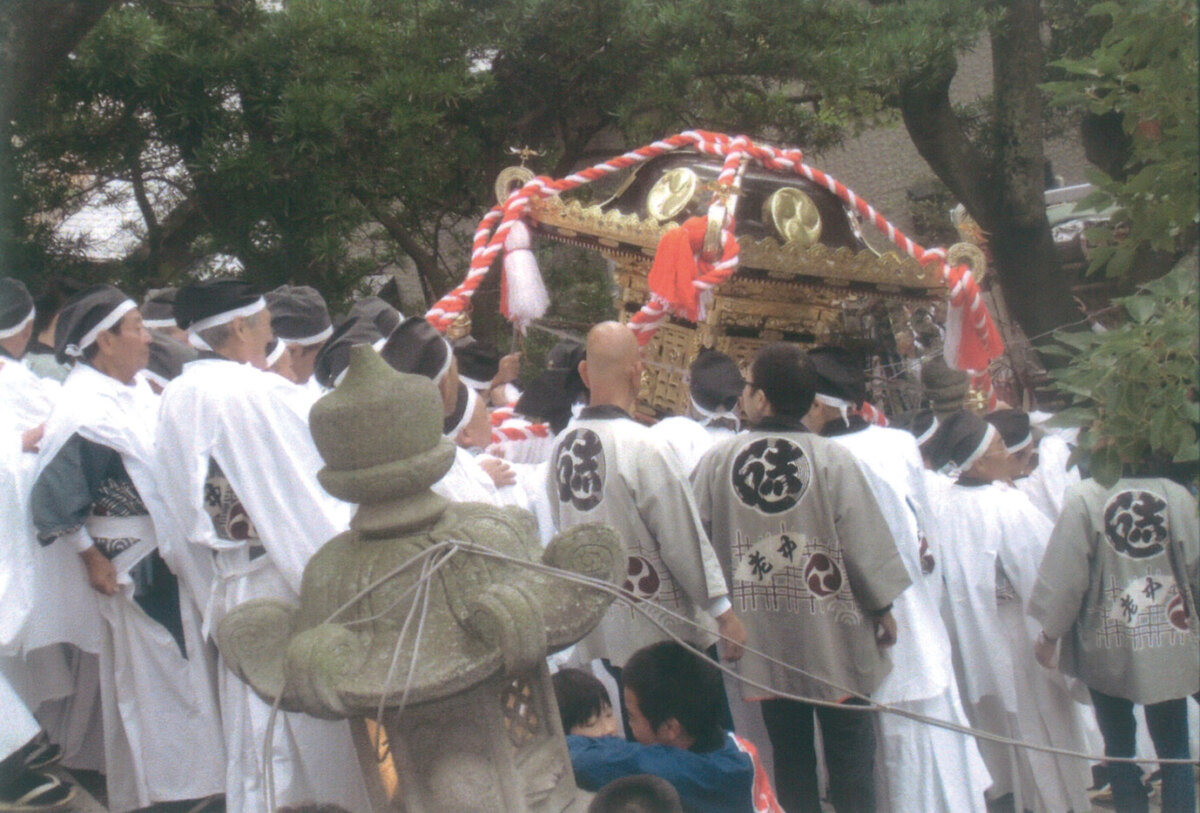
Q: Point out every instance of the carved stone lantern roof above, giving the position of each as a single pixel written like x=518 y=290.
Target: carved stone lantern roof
x=342 y=651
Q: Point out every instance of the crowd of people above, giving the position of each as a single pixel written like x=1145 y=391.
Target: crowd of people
x=950 y=567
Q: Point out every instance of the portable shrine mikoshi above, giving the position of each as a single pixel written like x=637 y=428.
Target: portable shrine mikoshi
x=724 y=242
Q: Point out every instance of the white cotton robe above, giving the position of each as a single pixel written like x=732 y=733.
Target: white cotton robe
x=37 y=671
x=992 y=541
x=920 y=767
x=254 y=426
x=1046 y=486
x=162 y=729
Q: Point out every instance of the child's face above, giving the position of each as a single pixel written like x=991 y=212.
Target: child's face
x=643 y=732
x=603 y=724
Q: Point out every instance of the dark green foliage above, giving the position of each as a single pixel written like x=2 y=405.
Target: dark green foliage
x=1133 y=388
x=1143 y=71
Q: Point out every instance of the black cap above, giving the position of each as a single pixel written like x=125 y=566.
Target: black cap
x=416 y=347
x=334 y=356
x=158 y=309
x=1013 y=425
x=921 y=424
x=839 y=374
x=299 y=315
x=380 y=313
x=478 y=362
x=203 y=301
x=550 y=396
x=167 y=358
x=946 y=387
x=716 y=383
x=85 y=316
x=16 y=307
x=958 y=440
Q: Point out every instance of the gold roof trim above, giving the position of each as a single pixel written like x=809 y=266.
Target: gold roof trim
x=570 y=218
x=889 y=272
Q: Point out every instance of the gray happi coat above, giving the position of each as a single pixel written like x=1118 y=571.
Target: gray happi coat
x=606 y=467
x=1115 y=584
x=808 y=554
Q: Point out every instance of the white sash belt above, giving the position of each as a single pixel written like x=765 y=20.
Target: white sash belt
x=139 y=528
x=230 y=563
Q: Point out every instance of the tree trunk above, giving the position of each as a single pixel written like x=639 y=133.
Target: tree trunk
x=35 y=38
x=1003 y=193
x=1022 y=244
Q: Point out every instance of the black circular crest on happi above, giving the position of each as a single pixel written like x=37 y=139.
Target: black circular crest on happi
x=579 y=469
x=1135 y=523
x=770 y=475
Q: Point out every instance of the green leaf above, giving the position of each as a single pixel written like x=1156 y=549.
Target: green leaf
x=1141 y=308
x=1073 y=416
x=1106 y=466
x=1189 y=448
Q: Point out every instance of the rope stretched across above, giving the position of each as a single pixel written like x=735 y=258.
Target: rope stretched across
x=437 y=555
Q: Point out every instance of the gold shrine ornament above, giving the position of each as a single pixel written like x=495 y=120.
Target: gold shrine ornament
x=970 y=255
x=793 y=215
x=460 y=327
x=672 y=193
x=510 y=180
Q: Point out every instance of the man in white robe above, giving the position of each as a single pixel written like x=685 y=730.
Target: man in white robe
x=27 y=397
x=606 y=467
x=920 y=767
x=993 y=540
x=95 y=494
x=61 y=684
x=1039 y=460
x=237 y=465
x=24 y=407
x=416 y=347
x=158 y=314
x=714 y=387
x=300 y=321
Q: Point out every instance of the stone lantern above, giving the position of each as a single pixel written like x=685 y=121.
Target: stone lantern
x=479 y=729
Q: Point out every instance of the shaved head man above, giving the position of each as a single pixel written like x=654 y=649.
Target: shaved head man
x=612 y=369
x=606 y=467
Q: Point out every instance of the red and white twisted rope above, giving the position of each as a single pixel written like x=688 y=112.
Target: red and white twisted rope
x=493 y=228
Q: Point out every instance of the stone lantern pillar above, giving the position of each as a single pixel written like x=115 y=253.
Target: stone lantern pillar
x=479 y=730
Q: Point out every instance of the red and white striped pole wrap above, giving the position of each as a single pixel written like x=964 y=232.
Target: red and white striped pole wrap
x=493 y=228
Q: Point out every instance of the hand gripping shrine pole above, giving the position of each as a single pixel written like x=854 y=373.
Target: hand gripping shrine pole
x=702 y=253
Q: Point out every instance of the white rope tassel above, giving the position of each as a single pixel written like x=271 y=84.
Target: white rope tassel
x=525 y=292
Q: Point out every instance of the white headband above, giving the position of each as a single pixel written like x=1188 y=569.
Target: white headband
x=472 y=400
x=709 y=415
x=316 y=338
x=276 y=354
x=973 y=458
x=196 y=328
x=437 y=379
x=1020 y=444
x=474 y=383
x=841 y=406
x=89 y=338
x=928 y=433
x=13 y=331
x=159 y=324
